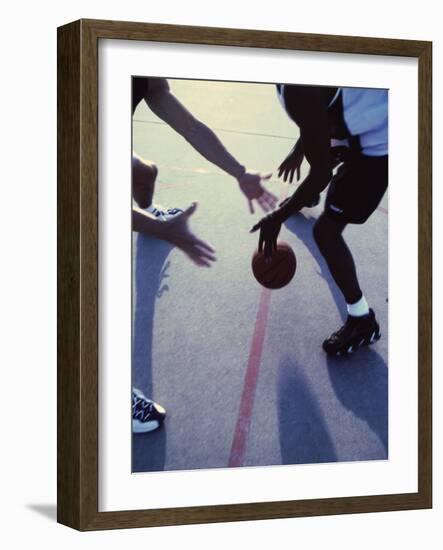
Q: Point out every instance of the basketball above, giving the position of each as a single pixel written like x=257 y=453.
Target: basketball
x=276 y=271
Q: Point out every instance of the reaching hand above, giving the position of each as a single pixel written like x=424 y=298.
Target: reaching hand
x=292 y=164
x=251 y=186
x=269 y=227
x=177 y=232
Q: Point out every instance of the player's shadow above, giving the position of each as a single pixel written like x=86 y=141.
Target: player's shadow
x=150 y=278
x=304 y=436
x=302 y=227
x=360 y=382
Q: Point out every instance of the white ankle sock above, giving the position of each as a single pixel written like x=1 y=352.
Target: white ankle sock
x=359 y=308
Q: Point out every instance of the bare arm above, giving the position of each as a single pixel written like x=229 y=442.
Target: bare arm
x=166 y=106
x=309 y=110
x=144 y=223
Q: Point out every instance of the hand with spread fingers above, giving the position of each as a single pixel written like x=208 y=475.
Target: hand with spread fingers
x=292 y=163
x=251 y=184
x=177 y=232
x=269 y=227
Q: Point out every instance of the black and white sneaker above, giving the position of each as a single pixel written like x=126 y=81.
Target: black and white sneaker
x=163 y=214
x=356 y=332
x=146 y=414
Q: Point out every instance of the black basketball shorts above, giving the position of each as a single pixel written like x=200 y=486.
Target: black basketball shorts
x=357 y=188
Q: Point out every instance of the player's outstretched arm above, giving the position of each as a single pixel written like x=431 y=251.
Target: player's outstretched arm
x=177 y=232
x=166 y=106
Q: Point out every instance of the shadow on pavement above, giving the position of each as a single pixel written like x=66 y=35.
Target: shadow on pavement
x=304 y=437
x=360 y=382
x=148 y=450
x=301 y=226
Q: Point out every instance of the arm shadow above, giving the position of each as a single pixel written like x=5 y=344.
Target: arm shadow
x=304 y=435
x=360 y=382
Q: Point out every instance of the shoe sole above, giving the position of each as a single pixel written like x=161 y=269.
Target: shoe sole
x=375 y=336
x=149 y=427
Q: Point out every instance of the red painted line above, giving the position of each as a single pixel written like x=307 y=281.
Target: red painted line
x=243 y=424
x=250 y=383
x=384 y=210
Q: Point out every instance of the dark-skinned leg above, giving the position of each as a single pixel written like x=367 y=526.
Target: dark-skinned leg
x=358 y=330
x=328 y=236
x=144 y=174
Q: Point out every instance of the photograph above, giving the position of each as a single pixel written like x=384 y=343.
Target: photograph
x=259 y=274
x=219 y=312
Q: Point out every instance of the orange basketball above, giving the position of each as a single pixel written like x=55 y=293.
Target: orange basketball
x=276 y=271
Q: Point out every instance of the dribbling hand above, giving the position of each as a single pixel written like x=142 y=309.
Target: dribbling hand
x=269 y=227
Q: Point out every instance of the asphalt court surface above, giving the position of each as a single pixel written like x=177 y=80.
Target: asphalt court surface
x=240 y=369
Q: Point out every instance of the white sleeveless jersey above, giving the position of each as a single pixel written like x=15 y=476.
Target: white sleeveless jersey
x=365 y=112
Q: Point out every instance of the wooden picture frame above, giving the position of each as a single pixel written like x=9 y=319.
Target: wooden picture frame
x=78 y=274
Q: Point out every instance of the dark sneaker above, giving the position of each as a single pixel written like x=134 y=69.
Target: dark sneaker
x=356 y=332
x=146 y=415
